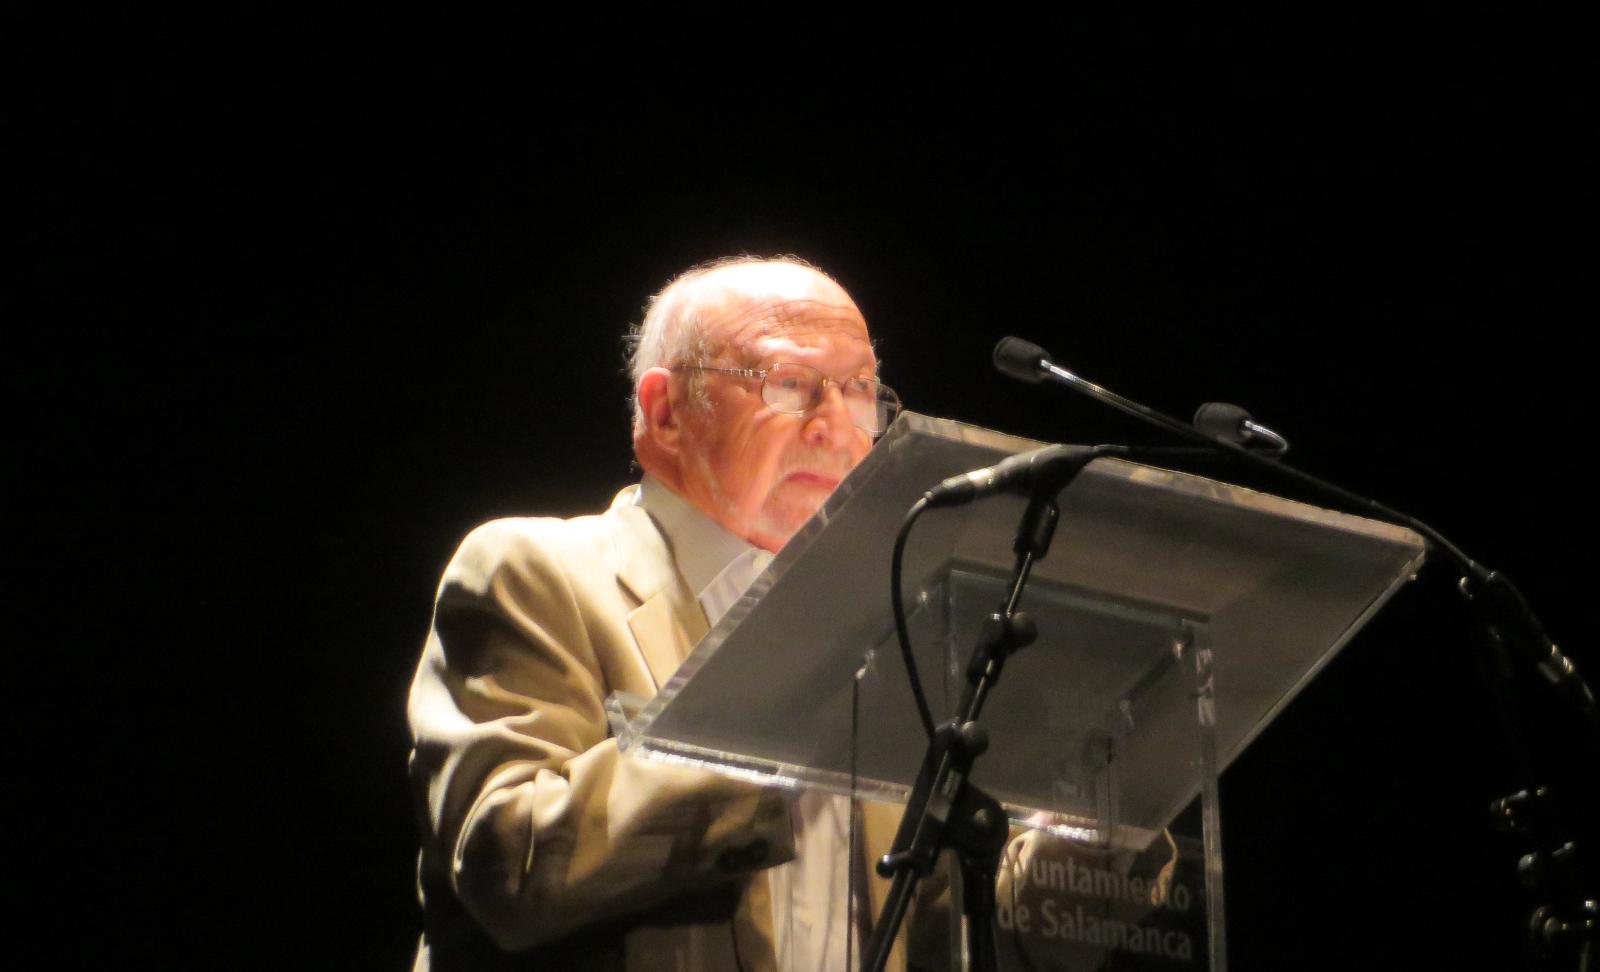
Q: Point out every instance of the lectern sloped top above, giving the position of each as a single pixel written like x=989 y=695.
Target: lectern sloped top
x=1096 y=719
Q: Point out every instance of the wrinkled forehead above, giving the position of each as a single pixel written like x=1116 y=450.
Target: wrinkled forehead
x=741 y=309
x=743 y=325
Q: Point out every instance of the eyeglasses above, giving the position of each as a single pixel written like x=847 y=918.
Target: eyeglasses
x=796 y=389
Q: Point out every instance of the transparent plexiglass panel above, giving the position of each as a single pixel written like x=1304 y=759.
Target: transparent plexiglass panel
x=1095 y=722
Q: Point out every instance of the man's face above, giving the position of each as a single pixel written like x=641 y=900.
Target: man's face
x=758 y=472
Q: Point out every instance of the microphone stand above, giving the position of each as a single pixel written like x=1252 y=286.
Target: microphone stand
x=945 y=810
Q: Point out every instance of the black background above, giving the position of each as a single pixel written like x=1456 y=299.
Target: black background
x=303 y=303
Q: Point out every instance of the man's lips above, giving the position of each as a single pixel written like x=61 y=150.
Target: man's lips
x=816 y=479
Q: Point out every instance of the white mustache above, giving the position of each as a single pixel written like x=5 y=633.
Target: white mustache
x=819 y=461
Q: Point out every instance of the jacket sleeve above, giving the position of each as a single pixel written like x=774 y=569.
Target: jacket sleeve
x=533 y=818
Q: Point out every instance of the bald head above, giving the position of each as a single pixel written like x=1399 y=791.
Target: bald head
x=724 y=304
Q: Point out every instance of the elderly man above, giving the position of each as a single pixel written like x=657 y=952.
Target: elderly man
x=755 y=394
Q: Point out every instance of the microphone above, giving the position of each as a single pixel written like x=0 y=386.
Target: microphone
x=1229 y=422
x=1026 y=361
x=1038 y=472
x=1215 y=424
x=1022 y=360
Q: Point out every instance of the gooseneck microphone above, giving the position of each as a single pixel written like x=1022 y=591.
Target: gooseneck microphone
x=1040 y=472
x=1224 y=420
x=1022 y=360
x=1026 y=361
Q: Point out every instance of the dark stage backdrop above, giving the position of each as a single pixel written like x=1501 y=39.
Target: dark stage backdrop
x=298 y=337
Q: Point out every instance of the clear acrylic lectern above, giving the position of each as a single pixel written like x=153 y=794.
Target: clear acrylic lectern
x=1176 y=615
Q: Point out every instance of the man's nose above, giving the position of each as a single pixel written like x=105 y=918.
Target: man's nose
x=830 y=425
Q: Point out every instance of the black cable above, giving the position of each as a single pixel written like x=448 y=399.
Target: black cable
x=898 y=603
x=850 y=879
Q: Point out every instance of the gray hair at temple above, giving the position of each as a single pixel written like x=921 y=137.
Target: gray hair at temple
x=673 y=331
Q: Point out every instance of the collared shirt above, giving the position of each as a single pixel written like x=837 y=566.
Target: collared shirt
x=811 y=910
x=716 y=565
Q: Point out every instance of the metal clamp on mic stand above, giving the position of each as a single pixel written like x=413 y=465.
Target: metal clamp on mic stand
x=945 y=810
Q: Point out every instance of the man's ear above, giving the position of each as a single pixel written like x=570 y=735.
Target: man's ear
x=661 y=421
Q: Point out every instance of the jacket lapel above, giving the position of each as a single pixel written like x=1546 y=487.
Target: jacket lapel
x=668 y=621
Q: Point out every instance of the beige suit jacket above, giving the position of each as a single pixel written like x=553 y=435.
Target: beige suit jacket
x=544 y=847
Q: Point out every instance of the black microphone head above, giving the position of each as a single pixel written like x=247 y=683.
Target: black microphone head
x=1019 y=359
x=1221 y=420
